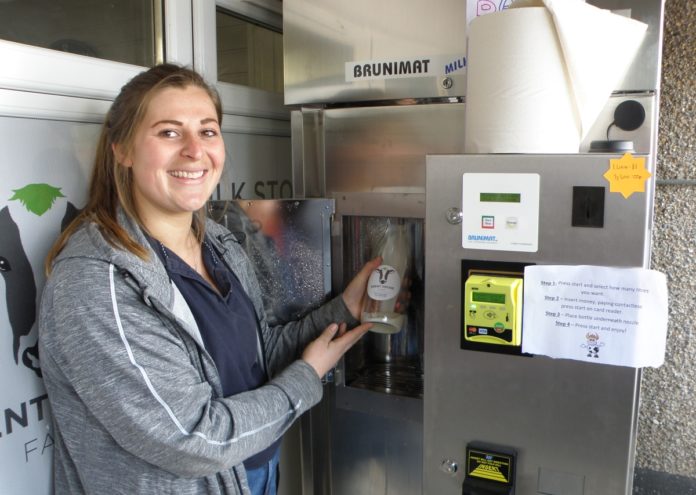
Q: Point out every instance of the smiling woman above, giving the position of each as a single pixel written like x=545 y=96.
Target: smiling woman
x=176 y=161
x=155 y=345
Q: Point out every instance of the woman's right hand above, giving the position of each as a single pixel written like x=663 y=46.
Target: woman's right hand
x=323 y=353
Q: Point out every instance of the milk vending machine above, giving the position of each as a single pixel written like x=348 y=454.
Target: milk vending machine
x=379 y=98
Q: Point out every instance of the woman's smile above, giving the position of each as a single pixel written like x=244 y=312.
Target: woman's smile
x=182 y=174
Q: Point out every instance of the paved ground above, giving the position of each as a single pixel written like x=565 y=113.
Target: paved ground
x=649 y=482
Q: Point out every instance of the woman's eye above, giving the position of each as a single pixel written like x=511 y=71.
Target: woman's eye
x=169 y=133
x=210 y=132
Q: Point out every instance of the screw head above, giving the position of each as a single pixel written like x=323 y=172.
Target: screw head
x=449 y=466
x=454 y=215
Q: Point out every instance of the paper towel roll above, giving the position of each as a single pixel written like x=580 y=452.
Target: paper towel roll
x=598 y=48
x=519 y=98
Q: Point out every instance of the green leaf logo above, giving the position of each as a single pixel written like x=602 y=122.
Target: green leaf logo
x=37 y=198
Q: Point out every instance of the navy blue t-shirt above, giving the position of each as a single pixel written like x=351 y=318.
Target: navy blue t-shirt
x=227 y=322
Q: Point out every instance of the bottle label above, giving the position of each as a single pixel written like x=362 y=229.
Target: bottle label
x=384 y=283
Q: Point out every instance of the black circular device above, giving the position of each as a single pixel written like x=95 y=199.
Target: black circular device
x=629 y=115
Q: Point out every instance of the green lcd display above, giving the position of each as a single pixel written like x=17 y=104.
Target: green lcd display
x=488 y=297
x=500 y=197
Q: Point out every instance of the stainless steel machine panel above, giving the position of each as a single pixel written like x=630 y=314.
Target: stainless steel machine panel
x=373 y=149
x=624 y=240
x=383 y=149
x=377 y=444
x=573 y=424
x=320 y=37
x=644 y=72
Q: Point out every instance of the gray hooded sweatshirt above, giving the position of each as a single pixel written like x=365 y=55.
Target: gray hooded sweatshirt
x=136 y=399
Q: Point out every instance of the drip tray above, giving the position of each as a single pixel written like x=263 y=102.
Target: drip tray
x=391 y=378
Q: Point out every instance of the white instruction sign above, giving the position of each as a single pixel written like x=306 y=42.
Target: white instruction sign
x=596 y=314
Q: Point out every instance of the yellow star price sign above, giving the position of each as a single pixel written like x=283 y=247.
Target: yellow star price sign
x=627 y=175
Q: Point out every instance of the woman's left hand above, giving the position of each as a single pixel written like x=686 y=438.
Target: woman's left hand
x=354 y=294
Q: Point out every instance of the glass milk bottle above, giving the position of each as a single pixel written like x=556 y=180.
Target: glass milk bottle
x=382 y=305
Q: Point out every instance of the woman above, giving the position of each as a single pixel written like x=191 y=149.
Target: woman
x=161 y=369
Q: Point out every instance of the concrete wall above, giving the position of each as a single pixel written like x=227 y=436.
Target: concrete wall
x=666 y=459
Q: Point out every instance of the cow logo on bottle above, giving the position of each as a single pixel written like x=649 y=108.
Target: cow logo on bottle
x=384 y=283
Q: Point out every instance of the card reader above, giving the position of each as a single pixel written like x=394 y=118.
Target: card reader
x=493 y=310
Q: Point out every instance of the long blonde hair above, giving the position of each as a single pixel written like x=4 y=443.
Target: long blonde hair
x=111 y=184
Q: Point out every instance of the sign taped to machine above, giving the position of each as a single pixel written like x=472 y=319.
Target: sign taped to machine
x=597 y=314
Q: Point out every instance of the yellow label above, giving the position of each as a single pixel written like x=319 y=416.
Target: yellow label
x=490 y=466
x=489 y=472
x=627 y=175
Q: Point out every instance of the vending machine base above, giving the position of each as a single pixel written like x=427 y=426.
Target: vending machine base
x=473 y=487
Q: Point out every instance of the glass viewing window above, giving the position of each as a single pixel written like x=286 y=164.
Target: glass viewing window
x=122 y=31
x=248 y=53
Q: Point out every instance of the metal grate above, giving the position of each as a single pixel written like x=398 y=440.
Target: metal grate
x=391 y=378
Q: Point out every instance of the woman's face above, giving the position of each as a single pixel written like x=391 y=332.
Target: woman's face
x=178 y=154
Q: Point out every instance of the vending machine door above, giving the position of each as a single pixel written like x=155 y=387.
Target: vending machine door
x=288 y=242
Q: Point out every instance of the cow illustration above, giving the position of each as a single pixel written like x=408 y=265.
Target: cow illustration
x=384 y=273
x=17 y=273
x=592 y=345
x=20 y=287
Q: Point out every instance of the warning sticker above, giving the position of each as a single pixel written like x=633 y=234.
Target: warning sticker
x=489 y=466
